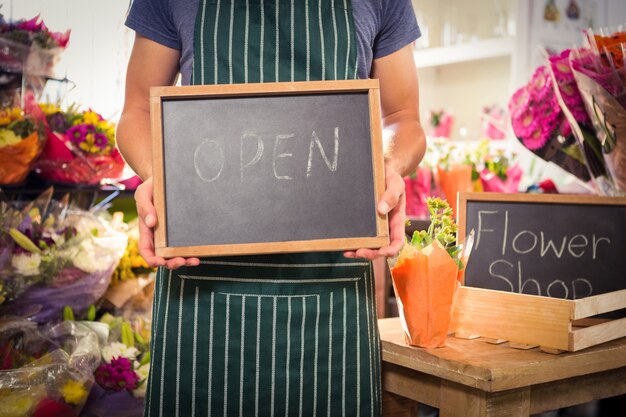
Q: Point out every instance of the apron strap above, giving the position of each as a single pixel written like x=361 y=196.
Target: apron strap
x=249 y=41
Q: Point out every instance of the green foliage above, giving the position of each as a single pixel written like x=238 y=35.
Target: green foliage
x=442 y=229
x=68 y=313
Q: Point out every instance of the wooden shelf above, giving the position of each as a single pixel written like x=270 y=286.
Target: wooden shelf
x=483 y=49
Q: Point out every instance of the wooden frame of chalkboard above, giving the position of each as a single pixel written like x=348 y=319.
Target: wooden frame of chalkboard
x=241 y=121
x=550 y=322
x=563 y=246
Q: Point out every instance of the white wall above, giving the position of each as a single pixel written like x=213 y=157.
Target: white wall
x=464 y=89
x=98 y=51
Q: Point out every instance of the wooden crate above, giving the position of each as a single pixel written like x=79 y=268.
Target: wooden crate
x=551 y=323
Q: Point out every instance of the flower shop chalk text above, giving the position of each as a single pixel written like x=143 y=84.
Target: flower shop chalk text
x=560 y=246
x=547 y=247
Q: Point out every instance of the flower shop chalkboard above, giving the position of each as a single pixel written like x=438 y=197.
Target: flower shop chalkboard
x=561 y=246
x=267 y=168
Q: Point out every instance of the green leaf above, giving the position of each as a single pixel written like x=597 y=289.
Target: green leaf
x=91 y=313
x=127 y=335
x=145 y=359
x=68 y=313
x=23 y=240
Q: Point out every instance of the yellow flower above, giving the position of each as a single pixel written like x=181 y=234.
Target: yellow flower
x=17 y=403
x=91 y=117
x=103 y=126
x=8 y=138
x=74 y=392
x=9 y=115
x=49 y=108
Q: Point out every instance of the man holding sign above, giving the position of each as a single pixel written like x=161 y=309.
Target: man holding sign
x=288 y=334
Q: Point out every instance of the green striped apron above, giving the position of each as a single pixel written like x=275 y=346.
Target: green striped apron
x=267 y=335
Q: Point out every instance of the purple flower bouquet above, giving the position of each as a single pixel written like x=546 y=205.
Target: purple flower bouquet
x=59 y=257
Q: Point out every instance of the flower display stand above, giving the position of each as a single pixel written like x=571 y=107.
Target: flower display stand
x=553 y=324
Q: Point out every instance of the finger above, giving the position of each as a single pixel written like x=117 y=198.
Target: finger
x=146 y=246
x=175 y=263
x=145 y=207
x=192 y=262
x=369 y=254
x=393 y=192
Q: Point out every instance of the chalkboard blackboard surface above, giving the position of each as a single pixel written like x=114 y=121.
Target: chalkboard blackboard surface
x=265 y=168
x=551 y=245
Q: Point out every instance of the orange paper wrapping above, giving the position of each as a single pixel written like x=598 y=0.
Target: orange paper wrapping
x=457 y=178
x=424 y=286
x=16 y=160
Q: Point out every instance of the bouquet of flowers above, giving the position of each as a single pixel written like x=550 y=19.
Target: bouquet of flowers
x=456 y=168
x=60 y=256
x=22 y=138
x=28 y=54
x=499 y=173
x=540 y=125
x=132 y=263
x=585 y=135
x=31 y=239
x=425 y=277
x=47 y=371
x=600 y=75
x=121 y=378
x=80 y=147
x=493 y=122
x=440 y=122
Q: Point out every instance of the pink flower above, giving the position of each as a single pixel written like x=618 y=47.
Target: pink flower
x=32 y=25
x=535 y=112
x=51 y=408
x=62 y=39
x=101 y=140
x=77 y=134
x=117 y=375
x=567 y=86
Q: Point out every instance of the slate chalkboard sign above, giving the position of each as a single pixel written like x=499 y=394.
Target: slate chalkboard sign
x=267 y=168
x=551 y=245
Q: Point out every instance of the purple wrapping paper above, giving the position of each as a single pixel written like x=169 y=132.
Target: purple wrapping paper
x=102 y=403
x=44 y=304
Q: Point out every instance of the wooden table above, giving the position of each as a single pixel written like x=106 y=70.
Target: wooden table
x=474 y=378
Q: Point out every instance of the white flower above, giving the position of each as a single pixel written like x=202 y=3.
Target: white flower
x=86 y=258
x=26 y=264
x=116 y=350
x=142 y=372
x=140 y=391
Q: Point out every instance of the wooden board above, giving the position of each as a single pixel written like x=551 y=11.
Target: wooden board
x=562 y=246
x=267 y=168
x=534 y=320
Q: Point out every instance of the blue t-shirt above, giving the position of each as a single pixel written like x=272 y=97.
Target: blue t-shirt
x=382 y=27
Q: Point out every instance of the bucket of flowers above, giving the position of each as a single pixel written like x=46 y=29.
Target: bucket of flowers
x=80 y=148
x=59 y=256
x=29 y=52
x=121 y=377
x=425 y=277
x=22 y=138
x=45 y=371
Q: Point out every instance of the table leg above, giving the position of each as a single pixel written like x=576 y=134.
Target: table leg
x=397 y=406
x=457 y=400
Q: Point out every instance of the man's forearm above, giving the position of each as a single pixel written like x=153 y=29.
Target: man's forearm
x=134 y=141
x=406 y=146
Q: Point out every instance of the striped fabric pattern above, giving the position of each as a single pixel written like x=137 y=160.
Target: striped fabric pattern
x=274 y=335
x=250 y=338
x=251 y=41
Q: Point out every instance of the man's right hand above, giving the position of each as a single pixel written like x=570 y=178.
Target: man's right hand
x=147 y=221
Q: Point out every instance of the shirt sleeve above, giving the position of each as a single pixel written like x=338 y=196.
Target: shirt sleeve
x=153 y=19
x=398 y=27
